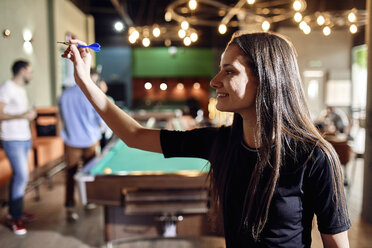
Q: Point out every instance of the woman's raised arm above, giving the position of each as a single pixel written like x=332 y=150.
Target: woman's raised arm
x=124 y=126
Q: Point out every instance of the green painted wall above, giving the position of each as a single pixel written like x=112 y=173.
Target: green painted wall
x=185 y=62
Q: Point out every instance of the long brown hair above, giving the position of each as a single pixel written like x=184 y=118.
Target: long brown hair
x=283 y=122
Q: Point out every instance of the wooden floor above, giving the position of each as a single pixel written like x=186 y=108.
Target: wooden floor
x=51 y=230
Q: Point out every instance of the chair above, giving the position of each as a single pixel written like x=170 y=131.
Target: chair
x=344 y=152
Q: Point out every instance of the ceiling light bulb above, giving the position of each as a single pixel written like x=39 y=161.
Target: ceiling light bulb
x=351 y=17
x=132 y=39
x=119 y=26
x=320 y=20
x=303 y=25
x=297 y=5
x=187 y=41
x=146 y=42
x=135 y=34
x=168 y=16
x=156 y=32
x=353 y=29
x=196 y=85
x=193 y=4
x=194 y=37
x=148 y=85
x=180 y=86
x=181 y=33
x=184 y=25
x=222 y=28
x=298 y=17
x=163 y=86
x=326 y=30
x=307 y=29
x=265 y=26
x=250 y=1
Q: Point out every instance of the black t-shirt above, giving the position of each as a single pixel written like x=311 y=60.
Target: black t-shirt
x=304 y=189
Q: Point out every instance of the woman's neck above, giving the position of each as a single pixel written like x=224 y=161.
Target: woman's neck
x=250 y=135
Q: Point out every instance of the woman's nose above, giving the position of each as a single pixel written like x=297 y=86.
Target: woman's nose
x=215 y=83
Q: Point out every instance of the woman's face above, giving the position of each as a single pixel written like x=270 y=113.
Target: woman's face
x=235 y=84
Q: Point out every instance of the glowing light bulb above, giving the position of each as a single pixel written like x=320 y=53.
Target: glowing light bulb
x=351 y=17
x=326 y=30
x=297 y=5
x=135 y=34
x=187 y=41
x=193 y=4
x=194 y=37
x=353 y=28
x=265 y=26
x=148 y=85
x=156 y=32
x=222 y=28
x=307 y=29
x=180 y=86
x=132 y=39
x=181 y=33
x=250 y=1
x=302 y=25
x=146 y=42
x=168 y=16
x=119 y=26
x=196 y=85
x=163 y=86
x=320 y=20
x=297 y=17
x=184 y=25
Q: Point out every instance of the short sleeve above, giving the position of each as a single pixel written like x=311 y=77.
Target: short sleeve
x=326 y=207
x=5 y=93
x=194 y=143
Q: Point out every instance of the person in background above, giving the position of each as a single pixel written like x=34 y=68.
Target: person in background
x=271 y=171
x=81 y=133
x=338 y=119
x=15 y=136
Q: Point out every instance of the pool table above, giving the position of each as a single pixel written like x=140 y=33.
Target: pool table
x=142 y=192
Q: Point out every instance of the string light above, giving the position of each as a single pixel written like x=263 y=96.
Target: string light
x=187 y=41
x=297 y=17
x=297 y=5
x=194 y=37
x=326 y=31
x=265 y=26
x=184 y=25
x=320 y=20
x=193 y=4
x=163 y=86
x=353 y=28
x=180 y=86
x=156 y=32
x=146 y=42
x=222 y=28
x=168 y=16
x=351 y=17
x=148 y=85
x=181 y=33
x=244 y=14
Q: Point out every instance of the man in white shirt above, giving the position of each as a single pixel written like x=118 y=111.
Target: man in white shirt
x=15 y=136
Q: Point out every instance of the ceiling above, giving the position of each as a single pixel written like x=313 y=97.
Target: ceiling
x=148 y=12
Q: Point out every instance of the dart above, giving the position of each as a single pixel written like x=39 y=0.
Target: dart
x=95 y=46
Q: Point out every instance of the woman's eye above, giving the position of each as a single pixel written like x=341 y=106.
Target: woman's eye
x=228 y=72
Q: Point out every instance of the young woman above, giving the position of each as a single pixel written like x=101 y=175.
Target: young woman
x=271 y=170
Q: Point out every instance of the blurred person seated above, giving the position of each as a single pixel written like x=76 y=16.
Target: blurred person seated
x=333 y=121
